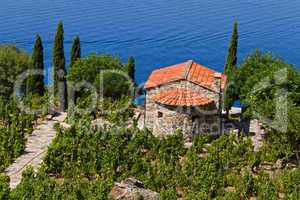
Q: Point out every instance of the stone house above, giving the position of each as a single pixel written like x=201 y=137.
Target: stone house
x=185 y=96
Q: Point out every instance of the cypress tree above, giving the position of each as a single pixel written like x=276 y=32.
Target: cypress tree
x=35 y=84
x=131 y=68
x=230 y=70
x=75 y=55
x=59 y=72
x=75 y=51
x=231 y=61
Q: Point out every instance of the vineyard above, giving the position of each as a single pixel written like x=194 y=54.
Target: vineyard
x=83 y=163
x=14 y=127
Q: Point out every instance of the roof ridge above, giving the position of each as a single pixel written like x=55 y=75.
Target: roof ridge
x=189 y=70
x=186 y=72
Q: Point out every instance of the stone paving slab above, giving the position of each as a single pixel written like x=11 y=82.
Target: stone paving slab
x=36 y=148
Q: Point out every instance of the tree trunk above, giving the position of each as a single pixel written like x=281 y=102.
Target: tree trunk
x=227 y=114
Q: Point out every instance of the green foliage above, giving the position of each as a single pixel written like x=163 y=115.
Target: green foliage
x=26 y=185
x=257 y=82
x=88 y=68
x=112 y=83
x=277 y=146
x=229 y=196
x=230 y=94
x=131 y=68
x=265 y=188
x=35 y=83
x=35 y=102
x=118 y=111
x=59 y=71
x=4 y=187
x=168 y=194
x=164 y=165
x=83 y=163
x=246 y=186
x=13 y=62
x=231 y=62
x=207 y=176
x=230 y=70
x=42 y=187
x=262 y=82
x=75 y=51
x=14 y=126
x=289 y=184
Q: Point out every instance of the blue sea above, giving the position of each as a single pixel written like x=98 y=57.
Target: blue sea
x=158 y=32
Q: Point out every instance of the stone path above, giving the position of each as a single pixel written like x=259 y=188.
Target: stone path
x=258 y=137
x=35 y=149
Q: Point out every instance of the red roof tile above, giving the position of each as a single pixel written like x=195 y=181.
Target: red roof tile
x=189 y=70
x=181 y=97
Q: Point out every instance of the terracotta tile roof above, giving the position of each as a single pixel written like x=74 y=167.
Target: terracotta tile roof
x=181 y=97
x=188 y=70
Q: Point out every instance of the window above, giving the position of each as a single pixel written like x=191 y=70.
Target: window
x=159 y=114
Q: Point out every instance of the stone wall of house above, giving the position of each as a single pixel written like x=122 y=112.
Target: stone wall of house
x=171 y=119
x=163 y=120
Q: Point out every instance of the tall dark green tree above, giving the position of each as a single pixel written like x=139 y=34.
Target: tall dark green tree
x=59 y=72
x=35 y=83
x=231 y=62
x=75 y=51
x=131 y=68
x=230 y=70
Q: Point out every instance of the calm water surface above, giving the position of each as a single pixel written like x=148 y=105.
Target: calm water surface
x=157 y=32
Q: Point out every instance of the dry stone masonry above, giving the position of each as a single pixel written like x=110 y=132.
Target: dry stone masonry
x=182 y=112
x=132 y=189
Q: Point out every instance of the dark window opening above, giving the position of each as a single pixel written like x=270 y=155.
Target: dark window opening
x=159 y=114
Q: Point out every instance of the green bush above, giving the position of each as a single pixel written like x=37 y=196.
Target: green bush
x=13 y=62
x=113 y=84
x=264 y=187
x=4 y=187
x=14 y=126
x=105 y=72
x=289 y=184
